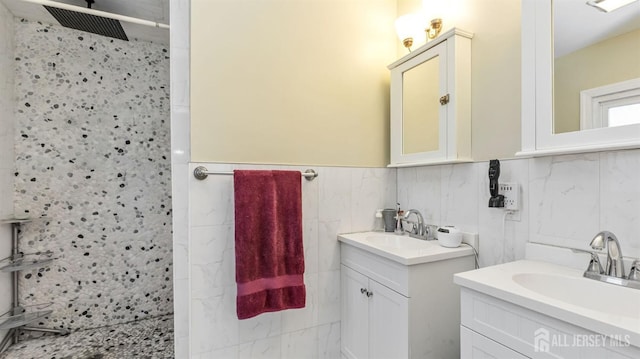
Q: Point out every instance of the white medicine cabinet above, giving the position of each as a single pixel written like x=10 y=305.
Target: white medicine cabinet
x=431 y=102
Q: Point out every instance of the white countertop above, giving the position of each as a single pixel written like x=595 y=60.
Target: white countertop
x=498 y=281
x=403 y=249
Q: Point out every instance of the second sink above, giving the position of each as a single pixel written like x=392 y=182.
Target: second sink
x=583 y=292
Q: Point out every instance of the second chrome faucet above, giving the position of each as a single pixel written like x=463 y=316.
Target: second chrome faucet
x=615 y=264
x=613 y=271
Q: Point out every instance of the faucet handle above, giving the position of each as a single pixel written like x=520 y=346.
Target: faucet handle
x=409 y=226
x=594 y=264
x=634 y=273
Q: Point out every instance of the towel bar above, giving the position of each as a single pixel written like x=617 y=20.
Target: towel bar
x=202 y=172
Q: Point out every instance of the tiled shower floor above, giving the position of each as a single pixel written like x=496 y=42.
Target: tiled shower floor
x=149 y=338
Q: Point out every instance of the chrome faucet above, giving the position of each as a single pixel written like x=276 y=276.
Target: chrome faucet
x=615 y=264
x=418 y=229
x=614 y=269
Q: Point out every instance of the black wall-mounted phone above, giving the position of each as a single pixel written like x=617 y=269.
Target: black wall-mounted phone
x=496 y=200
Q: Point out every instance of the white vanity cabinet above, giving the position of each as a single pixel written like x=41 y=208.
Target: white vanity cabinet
x=375 y=321
x=492 y=327
x=532 y=309
x=431 y=102
x=394 y=310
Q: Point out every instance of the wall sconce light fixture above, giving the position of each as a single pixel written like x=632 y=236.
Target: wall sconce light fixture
x=434 y=29
x=409 y=28
x=436 y=10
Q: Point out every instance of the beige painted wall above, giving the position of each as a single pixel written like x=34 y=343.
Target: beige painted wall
x=495 y=69
x=305 y=82
x=291 y=82
x=592 y=67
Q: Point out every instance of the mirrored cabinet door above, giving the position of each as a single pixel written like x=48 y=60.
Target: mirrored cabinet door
x=421 y=89
x=430 y=103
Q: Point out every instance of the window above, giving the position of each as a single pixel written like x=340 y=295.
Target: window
x=611 y=105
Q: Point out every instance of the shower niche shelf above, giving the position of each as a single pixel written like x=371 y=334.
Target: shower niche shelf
x=18 y=318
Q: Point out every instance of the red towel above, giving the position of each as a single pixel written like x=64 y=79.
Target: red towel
x=269 y=252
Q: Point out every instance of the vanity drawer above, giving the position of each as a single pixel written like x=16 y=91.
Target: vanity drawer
x=476 y=346
x=384 y=271
x=533 y=334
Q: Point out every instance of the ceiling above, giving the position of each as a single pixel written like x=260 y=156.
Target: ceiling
x=577 y=25
x=152 y=10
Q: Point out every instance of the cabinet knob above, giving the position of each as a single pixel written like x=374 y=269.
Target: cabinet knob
x=444 y=99
x=365 y=291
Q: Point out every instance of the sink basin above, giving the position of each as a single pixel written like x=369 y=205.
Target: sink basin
x=586 y=293
x=402 y=248
x=399 y=242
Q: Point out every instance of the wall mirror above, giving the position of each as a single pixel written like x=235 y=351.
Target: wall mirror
x=420 y=107
x=581 y=76
x=596 y=66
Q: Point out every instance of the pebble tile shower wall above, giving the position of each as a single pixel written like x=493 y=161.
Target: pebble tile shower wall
x=92 y=146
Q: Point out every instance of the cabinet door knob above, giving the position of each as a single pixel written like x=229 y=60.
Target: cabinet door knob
x=444 y=99
x=363 y=290
x=369 y=294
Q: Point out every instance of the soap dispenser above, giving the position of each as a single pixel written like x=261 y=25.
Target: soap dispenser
x=378 y=224
x=399 y=214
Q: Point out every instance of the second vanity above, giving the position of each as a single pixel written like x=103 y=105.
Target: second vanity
x=398 y=298
x=534 y=309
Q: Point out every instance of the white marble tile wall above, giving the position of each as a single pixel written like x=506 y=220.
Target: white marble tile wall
x=495 y=247
x=565 y=200
x=339 y=200
x=565 y=191
x=7 y=74
x=180 y=157
x=620 y=197
x=576 y=196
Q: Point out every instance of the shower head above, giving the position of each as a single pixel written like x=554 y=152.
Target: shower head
x=88 y=22
x=100 y=22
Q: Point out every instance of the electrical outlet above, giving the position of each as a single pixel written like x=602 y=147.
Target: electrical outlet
x=511 y=193
x=471 y=239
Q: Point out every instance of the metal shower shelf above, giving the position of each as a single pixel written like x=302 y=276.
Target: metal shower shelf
x=20 y=220
x=21 y=264
x=22 y=319
x=17 y=319
x=15 y=220
x=22 y=261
